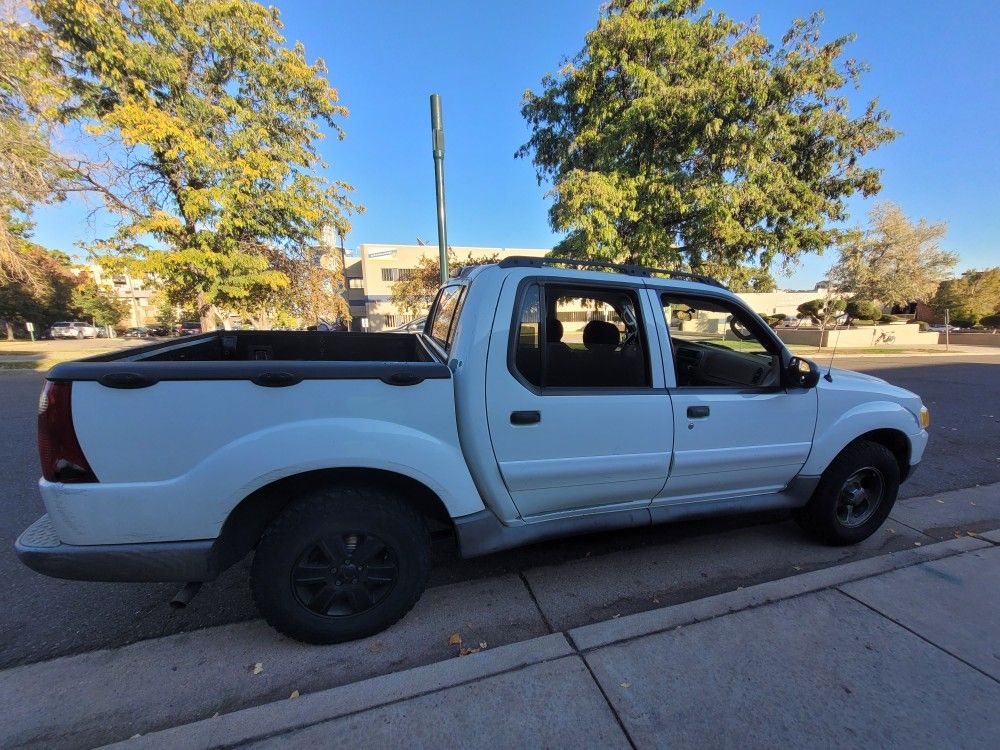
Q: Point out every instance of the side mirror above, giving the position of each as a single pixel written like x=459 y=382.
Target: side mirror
x=802 y=373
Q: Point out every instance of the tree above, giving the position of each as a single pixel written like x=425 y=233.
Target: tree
x=99 y=305
x=30 y=172
x=685 y=139
x=43 y=302
x=895 y=261
x=971 y=297
x=413 y=294
x=823 y=311
x=216 y=124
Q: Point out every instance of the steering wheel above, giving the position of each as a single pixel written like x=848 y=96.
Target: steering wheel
x=739 y=330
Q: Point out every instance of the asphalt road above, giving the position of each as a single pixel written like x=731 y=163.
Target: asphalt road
x=43 y=618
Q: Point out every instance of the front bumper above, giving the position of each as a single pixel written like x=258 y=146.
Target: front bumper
x=40 y=548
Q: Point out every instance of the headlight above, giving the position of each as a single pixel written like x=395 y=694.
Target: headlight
x=925 y=417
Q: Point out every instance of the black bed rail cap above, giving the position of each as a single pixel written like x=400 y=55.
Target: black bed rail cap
x=528 y=261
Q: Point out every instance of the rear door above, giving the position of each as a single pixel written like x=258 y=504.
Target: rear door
x=577 y=411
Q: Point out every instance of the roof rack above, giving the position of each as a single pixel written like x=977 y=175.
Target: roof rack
x=526 y=261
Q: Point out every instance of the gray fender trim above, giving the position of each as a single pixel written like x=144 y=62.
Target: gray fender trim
x=41 y=550
x=482 y=533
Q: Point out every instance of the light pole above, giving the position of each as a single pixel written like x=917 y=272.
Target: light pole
x=437 y=143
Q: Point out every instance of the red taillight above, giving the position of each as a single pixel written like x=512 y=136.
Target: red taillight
x=59 y=450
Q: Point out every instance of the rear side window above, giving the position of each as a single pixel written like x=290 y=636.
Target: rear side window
x=444 y=318
x=580 y=337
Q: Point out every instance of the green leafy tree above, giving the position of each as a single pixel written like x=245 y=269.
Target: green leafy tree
x=684 y=138
x=30 y=171
x=414 y=294
x=823 y=311
x=217 y=124
x=47 y=300
x=971 y=297
x=895 y=261
x=99 y=305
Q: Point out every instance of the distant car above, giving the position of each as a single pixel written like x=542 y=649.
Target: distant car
x=414 y=326
x=73 y=330
x=190 y=328
x=140 y=332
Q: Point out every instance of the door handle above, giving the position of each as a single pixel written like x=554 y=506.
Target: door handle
x=697 y=412
x=273 y=379
x=525 y=417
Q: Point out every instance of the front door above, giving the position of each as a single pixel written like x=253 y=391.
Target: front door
x=576 y=405
x=738 y=431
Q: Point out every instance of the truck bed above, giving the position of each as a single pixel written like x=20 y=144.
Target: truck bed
x=270 y=358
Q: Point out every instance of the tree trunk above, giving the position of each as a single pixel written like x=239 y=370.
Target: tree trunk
x=205 y=313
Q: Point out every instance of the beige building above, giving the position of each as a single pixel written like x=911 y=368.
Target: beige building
x=372 y=269
x=131 y=290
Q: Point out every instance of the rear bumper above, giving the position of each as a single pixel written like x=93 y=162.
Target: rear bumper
x=41 y=550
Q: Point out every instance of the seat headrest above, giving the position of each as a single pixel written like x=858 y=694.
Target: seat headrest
x=553 y=330
x=600 y=333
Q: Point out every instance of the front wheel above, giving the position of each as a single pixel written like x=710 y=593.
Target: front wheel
x=340 y=564
x=854 y=496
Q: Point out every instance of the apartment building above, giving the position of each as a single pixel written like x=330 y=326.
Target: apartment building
x=371 y=269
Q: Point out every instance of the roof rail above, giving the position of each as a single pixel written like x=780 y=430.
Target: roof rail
x=526 y=261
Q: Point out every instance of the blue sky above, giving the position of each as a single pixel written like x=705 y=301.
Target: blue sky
x=933 y=66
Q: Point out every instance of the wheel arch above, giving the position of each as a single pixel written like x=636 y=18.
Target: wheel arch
x=247 y=521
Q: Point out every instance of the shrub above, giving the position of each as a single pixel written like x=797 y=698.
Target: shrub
x=863 y=322
x=864 y=309
x=991 y=321
x=889 y=319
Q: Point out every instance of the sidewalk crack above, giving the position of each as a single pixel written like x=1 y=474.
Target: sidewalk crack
x=541 y=612
x=938 y=646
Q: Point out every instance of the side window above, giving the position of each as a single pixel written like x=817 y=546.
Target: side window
x=444 y=318
x=718 y=344
x=579 y=337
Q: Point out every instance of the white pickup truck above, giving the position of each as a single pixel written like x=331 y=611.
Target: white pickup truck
x=543 y=398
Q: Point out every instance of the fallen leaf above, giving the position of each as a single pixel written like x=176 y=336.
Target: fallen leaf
x=916 y=544
x=375 y=647
x=655 y=600
x=258 y=668
x=482 y=644
x=796 y=567
x=295 y=694
x=615 y=617
x=455 y=640
x=135 y=736
x=465 y=651
x=626 y=685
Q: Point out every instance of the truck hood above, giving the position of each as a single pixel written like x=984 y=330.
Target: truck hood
x=869 y=384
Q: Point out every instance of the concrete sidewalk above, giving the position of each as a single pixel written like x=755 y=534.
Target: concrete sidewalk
x=900 y=650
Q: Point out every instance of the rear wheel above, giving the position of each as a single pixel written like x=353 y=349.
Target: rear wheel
x=340 y=564
x=854 y=495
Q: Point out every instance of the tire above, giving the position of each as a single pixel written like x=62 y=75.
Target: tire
x=854 y=496
x=340 y=564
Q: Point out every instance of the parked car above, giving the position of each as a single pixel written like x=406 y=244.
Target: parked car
x=509 y=421
x=73 y=330
x=189 y=328
x=414 y=326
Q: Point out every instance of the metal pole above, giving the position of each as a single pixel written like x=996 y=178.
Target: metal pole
x=947 y=328
x=437 y=142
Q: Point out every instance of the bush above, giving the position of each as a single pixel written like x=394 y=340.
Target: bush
x=922 y=325
x=863 y=322
x=991 y=321
x=889 y=319
x=864 y=309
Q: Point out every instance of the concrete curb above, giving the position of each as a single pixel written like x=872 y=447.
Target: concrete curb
x=268 y=720
x=644 y=623
x=991 y=536
x=273 y=719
